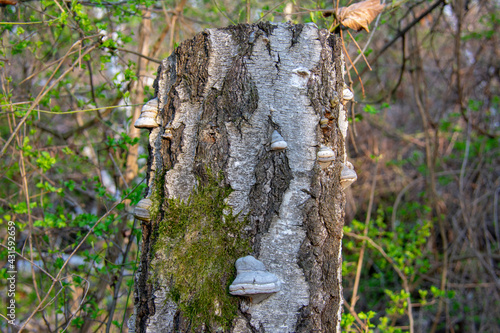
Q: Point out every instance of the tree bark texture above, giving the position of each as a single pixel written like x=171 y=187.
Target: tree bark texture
x=221 y=96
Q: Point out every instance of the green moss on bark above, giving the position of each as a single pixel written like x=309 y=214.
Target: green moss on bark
x=199 y=241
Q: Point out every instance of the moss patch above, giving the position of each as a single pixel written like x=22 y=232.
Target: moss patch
x=201 y=240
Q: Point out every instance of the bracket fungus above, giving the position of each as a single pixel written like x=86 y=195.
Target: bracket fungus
x=347 y=94
x=323 y=123
x=141 y=211
x=253 y=280
x=147 y=119
x=348 y=175
x=334 y=101
x=325 y=156
x=277 y=142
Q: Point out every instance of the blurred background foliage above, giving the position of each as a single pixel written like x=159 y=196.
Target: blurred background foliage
x=421 y=243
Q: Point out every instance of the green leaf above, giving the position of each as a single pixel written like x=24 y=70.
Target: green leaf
x=45 y=161
x=370 y=109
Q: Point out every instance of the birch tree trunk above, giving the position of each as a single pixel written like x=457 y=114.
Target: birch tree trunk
x=219 y=191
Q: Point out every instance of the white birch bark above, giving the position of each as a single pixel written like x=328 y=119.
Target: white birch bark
x=290 y=77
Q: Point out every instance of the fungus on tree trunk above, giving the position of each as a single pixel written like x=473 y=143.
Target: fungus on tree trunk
x=222 y=188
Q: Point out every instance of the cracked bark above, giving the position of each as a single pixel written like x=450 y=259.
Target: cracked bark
x=222 y=94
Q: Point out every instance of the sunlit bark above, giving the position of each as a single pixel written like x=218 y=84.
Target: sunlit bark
x=221 y=96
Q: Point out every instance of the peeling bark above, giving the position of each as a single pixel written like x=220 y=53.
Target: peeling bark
x=222 y=94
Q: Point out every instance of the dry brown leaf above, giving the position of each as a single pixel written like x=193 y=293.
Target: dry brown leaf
x=4 y=3
x=359 y=15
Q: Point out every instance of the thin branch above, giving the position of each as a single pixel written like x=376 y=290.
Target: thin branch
x=137 y=54
x=22 y=170
x=86 y=110
x=365 y=233
x=248 y=11
x=120 y=278
x=79 y=305
x=352 y=132
x=406 y=29
x=398 y=200
x=271 y=10
x=372 y=33
x=58 y=60
x=57 y=278
x=354 y=67
x=361 y=51
x=43 y=92
x=32 y=263
x=394 y=266
x=355 y=315
x=223 y=13
x=395 y=133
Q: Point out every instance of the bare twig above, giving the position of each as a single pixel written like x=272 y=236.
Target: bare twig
x=222 y=12
x=44 y=91
x=138 y=54
x=495 y=216
x=58 y=276
x=32 y=263
x=355 y=315
x=271 y=10
x=120 y=279
x=372 y=33
x=365 y=233
x=79 y=304
x=354 y=67
x=406 y=29
x=30 y=220
x=361 y=52
x=394 y=266
x=431 y=147
x=58 y=60
x=398 y=200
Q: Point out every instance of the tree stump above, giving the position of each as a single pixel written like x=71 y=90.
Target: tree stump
x=244 y=112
